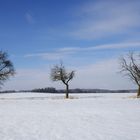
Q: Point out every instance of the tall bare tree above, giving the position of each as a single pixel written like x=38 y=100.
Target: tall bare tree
x=6 y=67
x=59 y=73
x=131 y=67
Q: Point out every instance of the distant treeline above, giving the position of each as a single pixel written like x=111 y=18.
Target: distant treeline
x=77 y=90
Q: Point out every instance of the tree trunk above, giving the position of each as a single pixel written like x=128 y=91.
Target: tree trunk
x=67 y=91
x=138 y=94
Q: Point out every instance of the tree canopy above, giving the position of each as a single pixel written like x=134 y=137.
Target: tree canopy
x=59 y=73
x=6 y=67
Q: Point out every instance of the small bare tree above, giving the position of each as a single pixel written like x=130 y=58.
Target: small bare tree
x=131 y=68
x=59 y=73
x=6 y=67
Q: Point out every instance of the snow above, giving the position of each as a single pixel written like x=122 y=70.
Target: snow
x=38 y=116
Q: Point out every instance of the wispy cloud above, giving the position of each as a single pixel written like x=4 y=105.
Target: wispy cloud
x=105 y=18
x=29 y=18
x=102 y=74
x=67 y=51
x=29 y=79
x=51 y=55
x=104 y=46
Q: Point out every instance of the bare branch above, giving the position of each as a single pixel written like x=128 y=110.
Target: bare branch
x=6 y=67
x=71 y=75
x=131 y=68
x=59 y=73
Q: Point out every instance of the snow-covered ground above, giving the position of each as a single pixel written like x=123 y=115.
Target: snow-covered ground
x=38 y=116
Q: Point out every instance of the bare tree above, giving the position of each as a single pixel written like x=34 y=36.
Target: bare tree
x=6 y=67
x=59 y=73
x=131 y=68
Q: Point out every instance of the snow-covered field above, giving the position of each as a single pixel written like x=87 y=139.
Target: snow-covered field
x=38 y=116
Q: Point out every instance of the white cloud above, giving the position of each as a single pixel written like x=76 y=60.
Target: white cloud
x=68 y=51
x=119 y=45
x=104 y=46
x=29 y=18
x=49 y=56
x=57 y=55
x=103 y=74
x=28 y=79
x=102 y=19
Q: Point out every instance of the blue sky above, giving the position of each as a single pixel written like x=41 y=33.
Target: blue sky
x=89 y=36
